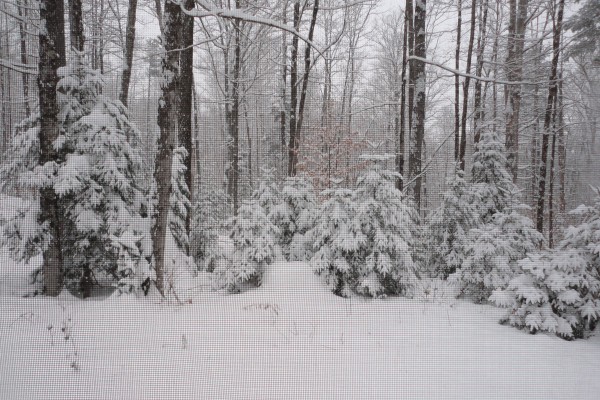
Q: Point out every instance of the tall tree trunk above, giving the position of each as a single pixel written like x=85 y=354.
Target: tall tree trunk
x=552 y=93
x=282 y=112
x=234 y=139
x=418 y=66
x=402 y=111
x=293 y=143
x=410 y=15
x=76 y=26
x=186 y=85
x=23 y=43
x=514 y=65
x=477 y=102
x=129 y=45
x=457 y=84
x=168 y=123
x=51 y=57
x=311 y=31
x=463 y=134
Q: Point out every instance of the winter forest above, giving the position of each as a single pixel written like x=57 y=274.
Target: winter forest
x=299 y=199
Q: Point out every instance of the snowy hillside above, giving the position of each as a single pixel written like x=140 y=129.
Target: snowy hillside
x=289 y=339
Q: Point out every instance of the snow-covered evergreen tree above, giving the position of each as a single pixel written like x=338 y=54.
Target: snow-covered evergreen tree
x=267 y=194
x=254 y=243
x=504 y=236
x=558 y=290
x=96 y=180
x=448 y=226
x=294 y=216
x=365 y=239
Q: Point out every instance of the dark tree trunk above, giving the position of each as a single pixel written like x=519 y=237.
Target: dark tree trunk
x=76 y=26
x=552 y=94
x=477 y=102
x=51 y=57
x=293 y=142
x=129 y=46
x=168 y=123
x=23 y=43
x=457 y=84
x=465 y=105
x=402 y=111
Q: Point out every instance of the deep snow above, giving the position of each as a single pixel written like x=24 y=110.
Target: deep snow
x=289 y=339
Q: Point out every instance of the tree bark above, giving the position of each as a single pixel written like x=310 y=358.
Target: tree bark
x=401 y=140
x=293 y=143
x=186 y=85
x=76 y=26
x=168 y=123
x=552 y=93
x=457 y=84
x=51 y=57
x=514 y=65
x=466 y=83
x=477 y=102
x=418 y=67
x=128 y=53
x=23 y=43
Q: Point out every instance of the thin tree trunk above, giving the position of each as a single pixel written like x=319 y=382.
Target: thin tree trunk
x=129 y=45
x=186 y=85
x=463 y=135
x=235 y=117
x=514 y=64
x=552 y=93
x=457 y=85
x=477 y=103
x=409 y=12
x=168 y=122
x=51 y=57
x=23 y=43
x=293 y=143
x=402 y=112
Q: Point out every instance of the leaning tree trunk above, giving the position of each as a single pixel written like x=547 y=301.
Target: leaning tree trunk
x=550 y=109
x=168 y=123
x=51 y=57
x=129 y=45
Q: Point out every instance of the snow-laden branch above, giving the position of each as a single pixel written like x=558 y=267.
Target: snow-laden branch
x=240 y=14
x=479 y=78
x=22 y=68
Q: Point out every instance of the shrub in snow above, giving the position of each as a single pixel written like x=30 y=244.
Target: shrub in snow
x=253 y=238
x=209 y=212
x=503 y=236
x=558 y=291
x=448 y=226
x=95 y=180
x=364 y=239
x=294 y=216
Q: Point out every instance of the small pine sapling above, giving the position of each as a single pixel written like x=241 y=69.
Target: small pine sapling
x=253 y=238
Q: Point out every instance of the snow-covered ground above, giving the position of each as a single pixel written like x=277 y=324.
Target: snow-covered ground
x=289 y=339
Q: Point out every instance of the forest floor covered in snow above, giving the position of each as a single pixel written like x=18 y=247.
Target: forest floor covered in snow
x=289 y=339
